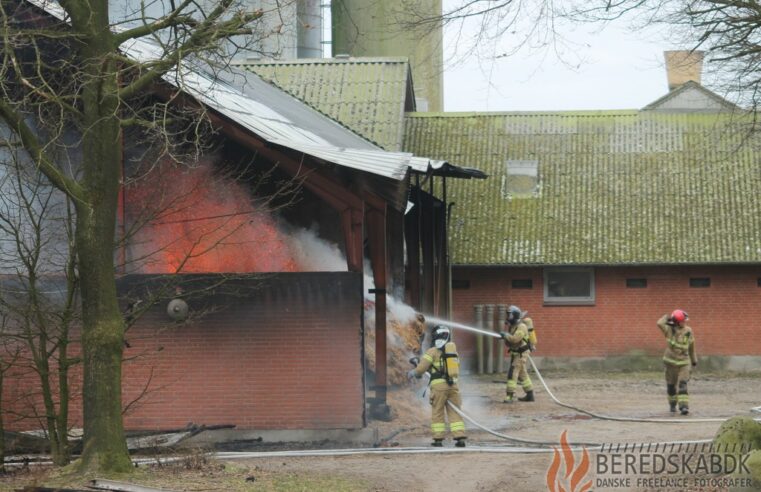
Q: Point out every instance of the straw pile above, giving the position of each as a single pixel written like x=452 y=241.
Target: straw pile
x=403 y=342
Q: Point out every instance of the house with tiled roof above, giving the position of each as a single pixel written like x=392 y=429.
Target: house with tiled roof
x=596 y=222
x=599 y=222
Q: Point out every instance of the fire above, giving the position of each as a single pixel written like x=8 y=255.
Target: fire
x=197 y=222
x=577 y=474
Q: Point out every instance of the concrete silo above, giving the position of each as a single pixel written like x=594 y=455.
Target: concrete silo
x=374 y=28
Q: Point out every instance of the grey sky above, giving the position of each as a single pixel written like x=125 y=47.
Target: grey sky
x=613 y=69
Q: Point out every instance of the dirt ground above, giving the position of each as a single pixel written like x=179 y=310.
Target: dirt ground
x=624 y=394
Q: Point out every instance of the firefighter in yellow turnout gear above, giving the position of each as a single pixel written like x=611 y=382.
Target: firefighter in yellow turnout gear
x=679 y=356
x=442 y=363
x=517 y=339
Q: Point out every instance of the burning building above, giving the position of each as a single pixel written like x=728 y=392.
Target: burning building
x=234 y=317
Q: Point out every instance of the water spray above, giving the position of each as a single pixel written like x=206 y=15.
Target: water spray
x=454 y=324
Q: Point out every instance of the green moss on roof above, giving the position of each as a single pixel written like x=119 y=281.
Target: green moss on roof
x=615 y=187
x=367 y=95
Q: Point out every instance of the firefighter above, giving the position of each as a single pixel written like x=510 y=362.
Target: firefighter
x=518 y=343
x=679 y=355
x=442 y=363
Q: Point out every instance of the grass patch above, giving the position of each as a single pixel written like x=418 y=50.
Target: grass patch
x=193 y=473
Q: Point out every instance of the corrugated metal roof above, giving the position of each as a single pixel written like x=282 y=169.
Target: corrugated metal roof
x=270 y=113
x=368 y=95
x=624 y=187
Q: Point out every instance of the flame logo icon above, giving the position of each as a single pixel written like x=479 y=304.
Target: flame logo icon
x=573 y=475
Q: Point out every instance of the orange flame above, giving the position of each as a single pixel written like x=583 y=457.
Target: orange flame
x=577 y=474
x=200 y=223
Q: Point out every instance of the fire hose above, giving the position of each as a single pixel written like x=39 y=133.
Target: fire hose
x=546 y=443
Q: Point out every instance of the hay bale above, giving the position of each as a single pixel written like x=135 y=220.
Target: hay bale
x=403 y=342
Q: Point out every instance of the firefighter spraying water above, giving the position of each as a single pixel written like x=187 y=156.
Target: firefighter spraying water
x=442 y=364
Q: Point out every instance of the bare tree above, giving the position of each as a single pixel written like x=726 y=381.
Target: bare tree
x=728 y=31
x=68 y=94
x=39 y=290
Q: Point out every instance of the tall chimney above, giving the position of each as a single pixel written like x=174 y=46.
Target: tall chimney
x=683 y=66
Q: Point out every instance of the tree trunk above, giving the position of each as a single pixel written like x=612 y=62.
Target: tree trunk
x=105 y=447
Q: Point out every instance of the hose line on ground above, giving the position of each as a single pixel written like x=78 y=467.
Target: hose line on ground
x=594 y=446
x=622 y=419
x=577 y=409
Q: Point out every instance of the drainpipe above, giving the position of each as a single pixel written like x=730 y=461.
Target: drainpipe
x=501 y=317
x=490 y=340
x=478 y=311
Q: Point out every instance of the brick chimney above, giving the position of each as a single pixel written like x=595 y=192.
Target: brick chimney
x=682 y=66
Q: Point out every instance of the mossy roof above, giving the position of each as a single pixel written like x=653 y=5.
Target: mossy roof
x=614 y=187
x=368 y=95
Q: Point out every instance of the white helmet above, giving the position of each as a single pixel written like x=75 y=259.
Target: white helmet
x=441 y=335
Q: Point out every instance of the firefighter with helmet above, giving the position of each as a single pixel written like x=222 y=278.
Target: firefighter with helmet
x=518 y=340
x=679 y=356
x=442 y=363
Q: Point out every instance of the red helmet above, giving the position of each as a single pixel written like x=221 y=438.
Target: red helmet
x=679 y=316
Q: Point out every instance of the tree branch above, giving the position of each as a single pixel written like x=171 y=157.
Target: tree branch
x=172 y=19
x=207 y=32
x=38 y=154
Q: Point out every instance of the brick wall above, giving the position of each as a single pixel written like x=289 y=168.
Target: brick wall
x=726 y=317
x=286 y=354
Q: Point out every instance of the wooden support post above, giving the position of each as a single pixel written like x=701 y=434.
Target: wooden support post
x=376 y=221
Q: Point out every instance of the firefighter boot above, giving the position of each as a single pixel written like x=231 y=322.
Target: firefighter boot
x=509 y=398
x=459 y=442
x=672 y=406
x=437 y=443
x=684 y=410
x=529 y=396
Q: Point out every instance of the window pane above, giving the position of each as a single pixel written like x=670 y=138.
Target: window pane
x=522 y=283
x=700 y=282
x=569 y=284
x=636 y=283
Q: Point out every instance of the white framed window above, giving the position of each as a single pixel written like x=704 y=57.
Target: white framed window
x=569 y=285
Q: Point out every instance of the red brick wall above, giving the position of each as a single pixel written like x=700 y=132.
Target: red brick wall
x=726 y=317
x=287 y=355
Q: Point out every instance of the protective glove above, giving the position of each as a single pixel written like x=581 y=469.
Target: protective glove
x=503 y=334
x=411 y=374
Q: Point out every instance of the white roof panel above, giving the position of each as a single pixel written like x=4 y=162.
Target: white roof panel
x=271 y=113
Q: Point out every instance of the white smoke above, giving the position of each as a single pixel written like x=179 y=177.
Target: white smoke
x=315 y=254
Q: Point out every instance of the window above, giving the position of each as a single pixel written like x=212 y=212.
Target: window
x=636 y=283
x=758 y=281
x=700 y=282
x=569 y=286
x=522 y=283
x=522 y=178
x=460 y=284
